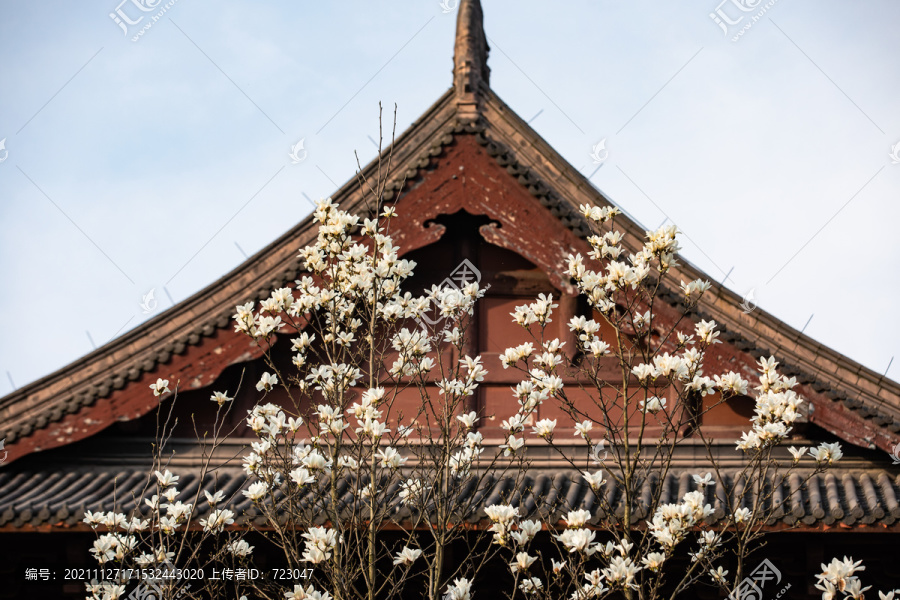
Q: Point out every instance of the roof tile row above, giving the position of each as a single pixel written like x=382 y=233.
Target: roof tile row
x=59 y=498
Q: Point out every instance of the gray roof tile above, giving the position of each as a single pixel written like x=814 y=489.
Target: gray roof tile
x=60 y=497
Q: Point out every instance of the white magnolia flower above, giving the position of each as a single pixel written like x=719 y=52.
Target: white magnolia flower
x=719 y=575
x=512 y=445
x=731 y=382
x=703 y=481
x=513 y=355
x=160 y=387
x=522 y=562
x=594 y=588
x=411 y=489
x=599 y=214
x=583 y=429
x=104 y=548
x=137 y=524
x=217 y=520
x=166 y=479
x=644 y=372
x=468 y=419
x=741 y=515
x=641 y=321
x=706 y=332
x=453 y=336
x=544 y=428
x=407 y=556
x=459 y=590
x=240 y=548
x=502 y=513
x=177 y=510
x=855 y=590
x=840 y=575
x=375 y=429
x=302 y=343
x=620 y=572
x=797 y=453
x=654 y=560
x=515 y=424
x=597 y=347
x=348 y=462
x=93 y=518
x=577 y=518
x=162 y=555
x=314 y=461
x=694 y=289
x=319 y=544
x=301 y=476
x=256 y=491
x=390 y=458
x=578 y=540
x=551 y=384
x=710 y=538
x=827 y=453
x=220 y=398
x=530 y=528
x=112 y=520
x=531 y=586
x=595 y=480
x=557 y=565
x=653 y=404
x=475 y=369
x=310 y=593
x=267 y=382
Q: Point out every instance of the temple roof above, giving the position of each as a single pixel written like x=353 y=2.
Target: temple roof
x=57 y=497
x=194 y=341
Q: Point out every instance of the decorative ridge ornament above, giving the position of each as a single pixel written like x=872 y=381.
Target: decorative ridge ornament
x=470 y=71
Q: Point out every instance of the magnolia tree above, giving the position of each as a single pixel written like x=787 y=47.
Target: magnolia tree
x=363 y=501
x=328 y=483
x=653 y=403
x=336 y=460
x=144 y=544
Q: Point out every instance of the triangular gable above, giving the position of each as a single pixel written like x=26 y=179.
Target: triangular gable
x=470 y=126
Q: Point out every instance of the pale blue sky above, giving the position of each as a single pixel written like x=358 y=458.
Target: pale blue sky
x=139 y=165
